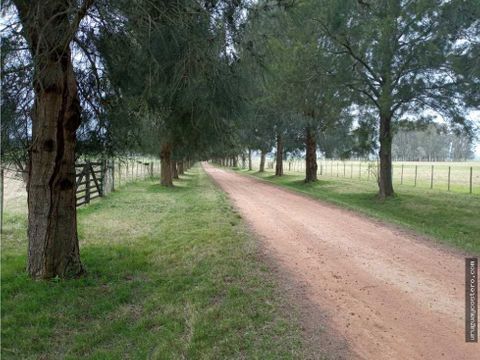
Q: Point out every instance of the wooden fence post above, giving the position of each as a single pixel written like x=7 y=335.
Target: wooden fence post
x=119 y=173
x=337 y=168
x=471 y=179
x=448 y=181
x=401 y=177
x=360 y=171
x=2 y=183
x=87 y=182
x=415 y=181
x=431 y=178
x=113 y=174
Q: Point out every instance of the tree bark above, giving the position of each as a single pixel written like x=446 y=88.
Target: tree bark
x=279 y=159
x=244 y=160
x=181 y=170
x=385 y=184
x=174 y=169
x=250 y=159
x=235 y=161
x=311 y=156
x=166 y=165
x=262 y=161
x=53 y=248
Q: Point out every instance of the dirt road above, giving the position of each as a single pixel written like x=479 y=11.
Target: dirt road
x=377 y=292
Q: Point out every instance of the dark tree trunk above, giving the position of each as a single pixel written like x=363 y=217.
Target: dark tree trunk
x=181 y=171
x=244 y=160
x=235 y=161
x=174 y=169
x=166 y=165
x=262 y=161
x=279 y=160
x=250 y=159
x=53 y=248
x=385 y=174
x=311 y=156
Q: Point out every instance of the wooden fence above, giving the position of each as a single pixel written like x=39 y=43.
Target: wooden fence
x=97 y=179
x=90 y=181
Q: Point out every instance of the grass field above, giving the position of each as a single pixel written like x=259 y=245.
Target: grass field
x=409 y=173
x=451 y=218
x=172 y=274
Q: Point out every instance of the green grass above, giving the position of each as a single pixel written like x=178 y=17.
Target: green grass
x=172 y=274
x=451 y=218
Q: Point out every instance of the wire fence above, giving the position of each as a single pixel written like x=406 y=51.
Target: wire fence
x=461 y=177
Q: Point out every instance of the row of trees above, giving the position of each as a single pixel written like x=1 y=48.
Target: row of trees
x=345 y=76
x=99 y=77
x=215 y=79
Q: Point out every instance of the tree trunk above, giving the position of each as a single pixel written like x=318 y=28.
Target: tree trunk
x=181 y=171
x=311 y=156
x=262 y=161
x=385 y=184
x=279 y=160
x=244 y=160
x=235 y=161
x=250 y=159
x=166 y=165
x=174 y=169
x=53 y=248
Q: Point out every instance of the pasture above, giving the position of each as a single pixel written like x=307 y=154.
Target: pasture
x=442 y=176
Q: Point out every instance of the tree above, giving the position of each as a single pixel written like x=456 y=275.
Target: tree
x=182 y=79
x=49 y=27
x=402 y=57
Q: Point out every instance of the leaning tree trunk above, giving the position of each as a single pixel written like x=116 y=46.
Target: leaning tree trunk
x=250 y=159
x=262 y=161
x=279 y=160
x=385 y=174
x=311 y=156
x=174 y=169
x=181 y=170
x=166 y=165
x=53 y=248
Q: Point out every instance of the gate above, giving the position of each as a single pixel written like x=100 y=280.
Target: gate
x=89 y=181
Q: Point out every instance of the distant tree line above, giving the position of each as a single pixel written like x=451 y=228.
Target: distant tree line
x=434 y=143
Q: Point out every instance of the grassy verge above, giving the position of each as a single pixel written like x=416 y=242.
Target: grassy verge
x=448 y=217
x=172 y=274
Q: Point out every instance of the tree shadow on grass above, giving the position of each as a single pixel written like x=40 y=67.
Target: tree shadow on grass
x=35 y=314
x=302 y=184
x=176 y=188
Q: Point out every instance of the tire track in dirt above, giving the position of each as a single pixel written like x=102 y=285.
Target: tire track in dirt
x=386 y=293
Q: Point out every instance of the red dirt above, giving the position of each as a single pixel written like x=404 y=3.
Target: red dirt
x=382 y=291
